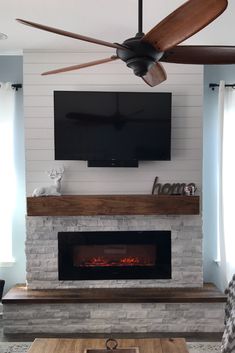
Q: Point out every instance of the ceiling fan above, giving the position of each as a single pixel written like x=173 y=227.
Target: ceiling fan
x=144 y=52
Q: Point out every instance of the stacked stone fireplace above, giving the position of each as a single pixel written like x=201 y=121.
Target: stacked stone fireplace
x=48 y=315
x=185 y=237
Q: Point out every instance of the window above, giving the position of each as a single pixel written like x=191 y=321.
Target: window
x=226 y=174
x=7 y=170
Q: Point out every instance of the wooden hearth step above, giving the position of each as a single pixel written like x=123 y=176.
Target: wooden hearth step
x=207 y=294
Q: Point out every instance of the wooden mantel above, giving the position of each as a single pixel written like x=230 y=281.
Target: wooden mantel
x=92 y=205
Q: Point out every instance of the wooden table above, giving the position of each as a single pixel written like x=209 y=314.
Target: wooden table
x=148 y=345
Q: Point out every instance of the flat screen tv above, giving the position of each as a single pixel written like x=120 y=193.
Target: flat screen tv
x=112 y=129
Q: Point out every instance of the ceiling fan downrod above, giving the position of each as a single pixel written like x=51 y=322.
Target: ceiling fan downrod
x=139 y=55
x=140 y=19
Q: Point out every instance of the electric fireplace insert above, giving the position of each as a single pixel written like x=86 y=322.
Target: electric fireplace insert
x=114 y=255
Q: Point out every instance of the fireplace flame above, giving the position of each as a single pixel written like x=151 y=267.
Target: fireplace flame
x=125 y=261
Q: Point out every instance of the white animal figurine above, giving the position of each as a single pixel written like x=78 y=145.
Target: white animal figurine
x=52 y=190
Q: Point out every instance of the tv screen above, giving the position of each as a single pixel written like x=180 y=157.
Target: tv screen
x=116 y=128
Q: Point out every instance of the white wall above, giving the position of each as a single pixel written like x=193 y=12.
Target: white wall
x=184 y=81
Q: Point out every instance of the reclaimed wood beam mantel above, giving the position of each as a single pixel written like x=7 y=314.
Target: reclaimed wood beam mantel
x=92 y=205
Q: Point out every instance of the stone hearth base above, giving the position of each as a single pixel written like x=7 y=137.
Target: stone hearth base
x=113 y=310
x=113 y=317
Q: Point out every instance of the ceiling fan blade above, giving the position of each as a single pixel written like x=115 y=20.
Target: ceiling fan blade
x=199 y=54
x=70 y=34
x=155 y=75
x=185 y=21
x=80 y=66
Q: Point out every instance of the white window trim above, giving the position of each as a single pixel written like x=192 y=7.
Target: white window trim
x=9 y=263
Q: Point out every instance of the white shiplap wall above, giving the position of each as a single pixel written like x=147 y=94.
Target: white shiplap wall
x=184 y=81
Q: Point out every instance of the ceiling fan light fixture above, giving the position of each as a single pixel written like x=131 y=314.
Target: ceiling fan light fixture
x=3 y=36
x=139 y=55
x=140 y=66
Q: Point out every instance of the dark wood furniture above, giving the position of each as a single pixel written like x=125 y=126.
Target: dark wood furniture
x=146 y=345
x=92 y=205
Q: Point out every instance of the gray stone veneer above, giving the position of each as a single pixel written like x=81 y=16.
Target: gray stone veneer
x=111 y=318
x=42 y=248
x=107 y=318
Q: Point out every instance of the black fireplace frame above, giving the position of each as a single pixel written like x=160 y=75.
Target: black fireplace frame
x=67 y=240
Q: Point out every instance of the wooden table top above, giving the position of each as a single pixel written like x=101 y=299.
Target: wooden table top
x=146 y=345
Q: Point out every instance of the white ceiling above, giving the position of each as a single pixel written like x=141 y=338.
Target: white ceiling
x=110 y=20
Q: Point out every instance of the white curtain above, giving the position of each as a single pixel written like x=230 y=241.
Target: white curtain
x=226 y=187
x=7 y=170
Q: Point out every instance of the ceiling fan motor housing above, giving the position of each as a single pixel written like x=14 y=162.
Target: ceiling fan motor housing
x=138 y=55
